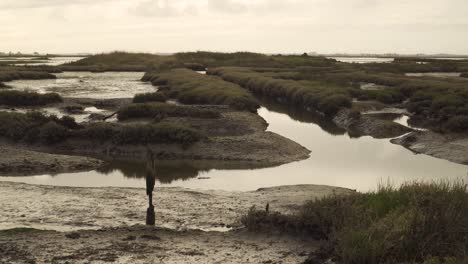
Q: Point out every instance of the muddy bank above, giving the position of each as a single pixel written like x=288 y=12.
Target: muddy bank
x=452 y=147
x=71 y=208
x=104 y=225
x=235 y=136
x=17 y=161
x=141 y=244
x=366 y=125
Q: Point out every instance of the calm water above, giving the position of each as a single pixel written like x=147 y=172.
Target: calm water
x=90 y=85
x=336 y=159
x=53 y=61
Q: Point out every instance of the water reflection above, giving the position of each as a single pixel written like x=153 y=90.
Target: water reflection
x=169 y=171
x=301 y=115
x=166 y=173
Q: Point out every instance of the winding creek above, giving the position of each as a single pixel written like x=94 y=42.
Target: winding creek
x=336 y=159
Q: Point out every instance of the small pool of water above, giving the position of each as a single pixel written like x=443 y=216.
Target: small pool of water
x=105 y=85
x=336 y=159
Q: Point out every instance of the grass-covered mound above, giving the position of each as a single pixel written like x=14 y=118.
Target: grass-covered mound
x=149 y=97
x=411 y=224
x=161 y=110
x=249 y=59
x=328 y=98
x=35 y=127
x=190 y=87
x=123 y=61
x=25 y=98
x=118 y=61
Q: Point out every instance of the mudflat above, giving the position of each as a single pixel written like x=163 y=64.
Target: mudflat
x=104 y=225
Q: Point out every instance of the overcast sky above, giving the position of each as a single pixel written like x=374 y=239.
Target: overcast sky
x=270 y=26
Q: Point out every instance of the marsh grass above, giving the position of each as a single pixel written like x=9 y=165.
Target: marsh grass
x=327 y=98
x=16 y=74
x=25 y=98
x=35 y=127
x=139 y=134
x=190 y=87
x=160 y=110
x=411 y=224
x=149 y=97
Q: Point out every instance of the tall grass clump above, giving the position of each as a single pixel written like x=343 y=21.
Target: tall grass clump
x=16 y=74
x=35 y=127
x=414 y=223
x=161 y=110
x=139 y=134
x=25 y=98
x=190 y=87
x=149 y=97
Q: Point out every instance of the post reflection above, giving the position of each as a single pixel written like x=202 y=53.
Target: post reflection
x=150 y=183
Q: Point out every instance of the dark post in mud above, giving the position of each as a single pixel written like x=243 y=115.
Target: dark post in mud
x=150 y=182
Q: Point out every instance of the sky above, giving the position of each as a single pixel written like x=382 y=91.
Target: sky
x=267 y=26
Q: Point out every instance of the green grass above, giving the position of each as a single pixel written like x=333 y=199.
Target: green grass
x=161 y=110
x=409 y=224
x=25 y=98
x=190 y=87
x=149 y=97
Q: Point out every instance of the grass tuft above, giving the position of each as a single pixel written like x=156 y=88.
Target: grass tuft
x=149 y=97
x=25 y=98
x=161 y=110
